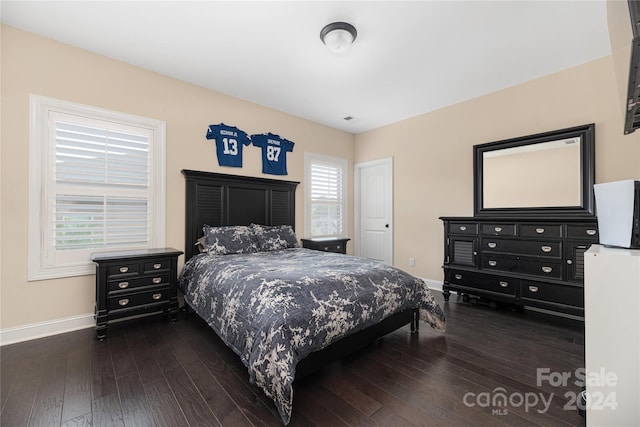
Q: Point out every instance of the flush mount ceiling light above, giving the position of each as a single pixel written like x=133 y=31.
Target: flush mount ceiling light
x=338 y=36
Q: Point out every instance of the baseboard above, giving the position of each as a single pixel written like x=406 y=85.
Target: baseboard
x=434 y=285
x=45 y=329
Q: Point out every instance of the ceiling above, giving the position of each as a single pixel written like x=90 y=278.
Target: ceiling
x=409 y=57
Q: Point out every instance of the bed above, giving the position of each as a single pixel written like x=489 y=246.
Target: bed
x=285 y=310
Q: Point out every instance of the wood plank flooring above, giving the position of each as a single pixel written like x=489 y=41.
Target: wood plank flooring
x=150 y=372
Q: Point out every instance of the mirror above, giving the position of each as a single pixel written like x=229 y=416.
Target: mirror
x=547 y=174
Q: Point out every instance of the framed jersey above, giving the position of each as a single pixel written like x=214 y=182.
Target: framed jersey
x=229 y=144
x=274 y=152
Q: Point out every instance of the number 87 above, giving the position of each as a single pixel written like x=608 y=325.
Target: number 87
x=273 y=153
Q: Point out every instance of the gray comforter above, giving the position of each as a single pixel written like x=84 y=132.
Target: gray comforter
x=274 y=308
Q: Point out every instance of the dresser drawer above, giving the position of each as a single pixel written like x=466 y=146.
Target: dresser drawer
x=326 y=245
x=582 y=232
x=123 y=268
x=537 y=230
x=499 y=229
x=133 y=283
x=463 y=228
x=138 y=299
x=547 y=269
x=554 y=293
x=522 y=247
x=485 y=282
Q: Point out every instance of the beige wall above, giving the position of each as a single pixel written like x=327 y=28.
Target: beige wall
x=433 y=152
x=31 y=64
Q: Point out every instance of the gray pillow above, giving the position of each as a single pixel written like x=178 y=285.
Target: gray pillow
x=237 y=239
x=274 y=237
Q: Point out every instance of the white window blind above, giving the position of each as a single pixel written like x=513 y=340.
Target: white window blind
x=90 y=158
x=325 y=206
x=96 y=183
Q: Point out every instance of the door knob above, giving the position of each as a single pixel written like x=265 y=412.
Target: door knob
x=386 y=225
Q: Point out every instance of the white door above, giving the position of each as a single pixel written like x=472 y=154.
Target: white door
x=374 y=210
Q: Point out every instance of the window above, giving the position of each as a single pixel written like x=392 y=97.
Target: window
x=325 y=196
x=96 y=183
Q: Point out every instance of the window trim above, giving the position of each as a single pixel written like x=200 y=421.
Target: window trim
x=40 y=173
x=309 y=158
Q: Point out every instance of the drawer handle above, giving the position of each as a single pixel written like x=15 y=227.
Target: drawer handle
x=498 y=229
x=124 y=269
x=569 y=262
x=547 y=269
x=533 y=288
x=539 y=230
x=504 y=284
x=157 y=266
x=492 y=245
x=157 y=280
x=156 y=296
x=493 y=263
x=123 y=285
x=545 y=248
x=463 y=228
x=123 y=302
x=458 y=276
x=591 y=232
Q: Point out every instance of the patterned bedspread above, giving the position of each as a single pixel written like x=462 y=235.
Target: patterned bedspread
x=274 y=308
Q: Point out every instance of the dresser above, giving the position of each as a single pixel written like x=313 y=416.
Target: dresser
x=338 y=245
x=133 y=283
x=524 y=261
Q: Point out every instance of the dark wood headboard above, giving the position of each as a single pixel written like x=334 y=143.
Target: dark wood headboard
x=219 y=199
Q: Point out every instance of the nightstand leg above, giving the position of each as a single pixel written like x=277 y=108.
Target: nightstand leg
x=446 y=293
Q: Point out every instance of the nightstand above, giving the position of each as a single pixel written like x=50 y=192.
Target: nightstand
x=326 y=245
x=133 y=283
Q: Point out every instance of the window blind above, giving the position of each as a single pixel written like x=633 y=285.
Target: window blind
x=102 y=182
x=327 y=199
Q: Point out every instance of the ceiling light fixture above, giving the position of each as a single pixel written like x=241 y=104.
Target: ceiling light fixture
x=338 y=36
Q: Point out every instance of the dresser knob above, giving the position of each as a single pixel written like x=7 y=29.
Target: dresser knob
x=539 y=230
x=458 y=276
x=591 y=232
x=492 y=245
x=533 y=288
x=504 y=284
x=545 y=248
x=493 y=263
x=123 y=285
x=547 y=269
x=498 y=229
x=157 y=266
x=462 y=228
x=157 y=280
x=123 y=302
x=569 y=262
x=156 y=296
x=124 y=269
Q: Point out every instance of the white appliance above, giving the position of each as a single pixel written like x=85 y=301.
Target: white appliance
x=618 y=211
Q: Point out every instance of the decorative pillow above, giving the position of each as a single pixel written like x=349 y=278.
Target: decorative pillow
x=237 y=239
x=274 y=237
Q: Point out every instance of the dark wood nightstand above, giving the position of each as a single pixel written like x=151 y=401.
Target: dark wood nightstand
x=132 y=283
x=326 y=245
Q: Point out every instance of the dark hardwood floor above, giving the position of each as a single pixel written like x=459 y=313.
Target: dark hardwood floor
x=152 y=372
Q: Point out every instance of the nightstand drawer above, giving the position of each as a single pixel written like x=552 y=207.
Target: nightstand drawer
x=137 y=299
x=125 y=284
x=326 y=245
x=122 y=268
x=157 y=265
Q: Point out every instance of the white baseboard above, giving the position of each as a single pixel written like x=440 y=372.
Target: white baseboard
x=45 y=329
x=434 y=285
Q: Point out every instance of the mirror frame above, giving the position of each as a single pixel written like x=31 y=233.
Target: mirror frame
x=586 y=133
